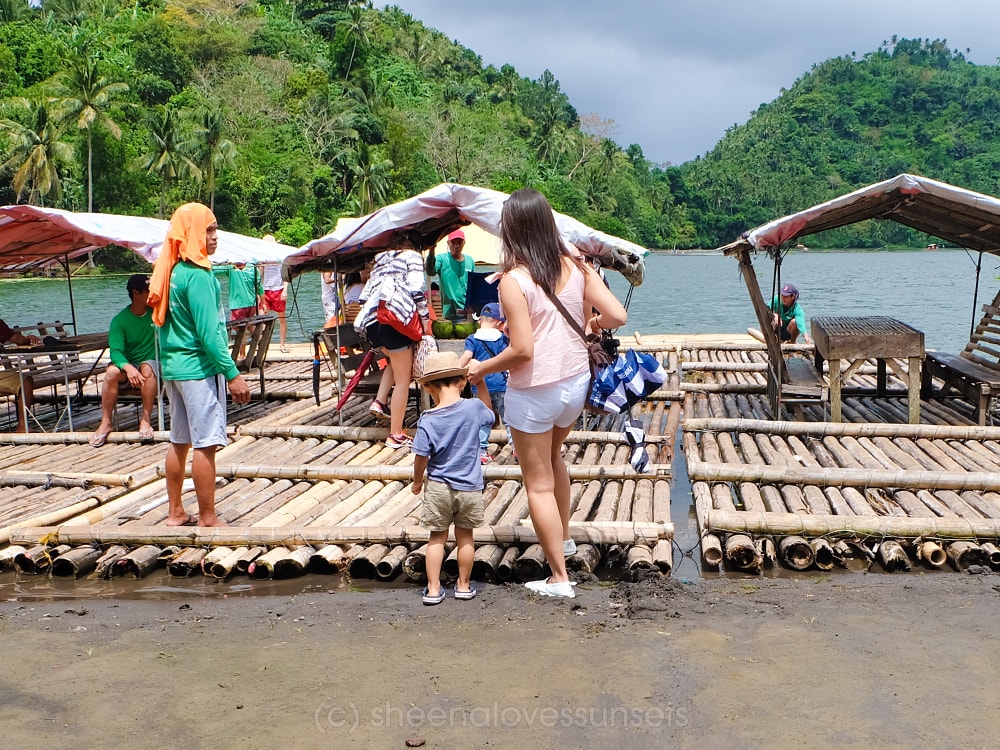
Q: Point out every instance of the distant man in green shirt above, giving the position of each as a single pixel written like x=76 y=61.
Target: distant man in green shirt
x=453 y=269
x=246 y=290
x=194 y=358
x=131 y=342
x=787 y=316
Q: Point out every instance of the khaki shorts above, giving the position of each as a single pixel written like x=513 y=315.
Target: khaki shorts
x=9 y=382
x=444 y=506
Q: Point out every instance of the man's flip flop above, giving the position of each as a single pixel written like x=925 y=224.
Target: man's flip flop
x=99 y=439
x=191 y=520
x=470 y=594
x=146 y=436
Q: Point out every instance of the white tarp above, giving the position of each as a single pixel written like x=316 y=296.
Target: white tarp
x=436 y=212
x=35 y=237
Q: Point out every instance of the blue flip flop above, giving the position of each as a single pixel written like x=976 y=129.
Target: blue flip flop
x=430 y=601
x=470 y=594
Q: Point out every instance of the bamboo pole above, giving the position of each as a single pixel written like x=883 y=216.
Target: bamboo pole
x=294 y=564
x=184 y=564
x=213 y=558
x=663 y=556
x=38 y=559
x=105 y=562
x=365 y=564
x=385 y=472
x=449 y=567
x=328 y=559
x=378 y=434
x=63 y=479
x=76 y=562
x=587 y=558
x=780 y=524
x=223 y=567
x=249 y=557
x=963 y=554
x=796 y=553
x=530 y=565
x=865 y=478
x=484 y=564
x=137 y=563
x=414 y=564
x=639 y=558
x=822 y=553
x=932 y=553
x=263 y=566
x=389 y=566
x=742 y=553
x=893 y=556
x=837 y=429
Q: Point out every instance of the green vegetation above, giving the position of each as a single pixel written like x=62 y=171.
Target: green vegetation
x=287 y=114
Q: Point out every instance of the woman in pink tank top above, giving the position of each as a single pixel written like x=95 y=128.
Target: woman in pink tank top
x=549 y=370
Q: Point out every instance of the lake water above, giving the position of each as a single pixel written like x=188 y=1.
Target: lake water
x=930 y=290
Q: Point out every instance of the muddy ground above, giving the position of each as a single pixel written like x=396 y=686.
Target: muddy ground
x=843 y=661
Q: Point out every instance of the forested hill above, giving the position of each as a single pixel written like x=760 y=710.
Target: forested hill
x=911 y=106
x=287 y=114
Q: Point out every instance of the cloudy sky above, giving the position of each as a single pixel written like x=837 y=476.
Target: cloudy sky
x=675 y=74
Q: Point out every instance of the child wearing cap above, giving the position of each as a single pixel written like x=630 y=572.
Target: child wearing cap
x=788 y=318
x=446 y=448
x=487 y=342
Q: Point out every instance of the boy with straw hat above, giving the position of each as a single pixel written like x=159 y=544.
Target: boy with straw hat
x=446 y=447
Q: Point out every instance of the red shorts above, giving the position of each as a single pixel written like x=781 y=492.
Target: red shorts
x=241 y=313
x=273 y=299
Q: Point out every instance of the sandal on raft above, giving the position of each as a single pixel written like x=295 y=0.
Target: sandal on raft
x=99 y=439
x=470 y=594
x=430 y=601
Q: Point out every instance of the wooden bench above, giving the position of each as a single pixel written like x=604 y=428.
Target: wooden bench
x=249 y=340
x=974 y=373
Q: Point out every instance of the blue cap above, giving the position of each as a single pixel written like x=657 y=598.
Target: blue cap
x=789 y=290
x=491 y=310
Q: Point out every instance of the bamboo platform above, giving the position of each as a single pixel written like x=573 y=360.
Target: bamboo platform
x=305 y=488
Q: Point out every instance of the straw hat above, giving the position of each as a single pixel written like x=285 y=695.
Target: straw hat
x=441 y=365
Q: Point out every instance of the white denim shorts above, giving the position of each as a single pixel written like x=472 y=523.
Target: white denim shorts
x=542 y=407
x=198 y=411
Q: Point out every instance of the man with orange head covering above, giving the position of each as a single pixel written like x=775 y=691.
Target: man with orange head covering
x=194 y=358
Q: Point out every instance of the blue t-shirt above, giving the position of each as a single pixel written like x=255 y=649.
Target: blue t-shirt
x=496 y=382
x=449 y=437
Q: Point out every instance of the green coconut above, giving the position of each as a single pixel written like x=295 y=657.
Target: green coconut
x=443 y=329
x=464 y=330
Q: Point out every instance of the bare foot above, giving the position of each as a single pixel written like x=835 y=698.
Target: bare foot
x=215 y=522
x=185 y=520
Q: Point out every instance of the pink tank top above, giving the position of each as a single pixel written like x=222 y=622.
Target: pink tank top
x=559 y=351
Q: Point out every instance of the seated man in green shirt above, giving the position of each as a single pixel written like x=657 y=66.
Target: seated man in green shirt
x=453 y=269
x=133 y=360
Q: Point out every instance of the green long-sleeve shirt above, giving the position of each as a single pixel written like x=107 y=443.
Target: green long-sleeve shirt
x=130 y=338
x=193 y=341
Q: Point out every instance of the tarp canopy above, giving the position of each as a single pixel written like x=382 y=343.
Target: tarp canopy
x=426 y=218
x=480 y=245
x=32 y=237
x=963 y=217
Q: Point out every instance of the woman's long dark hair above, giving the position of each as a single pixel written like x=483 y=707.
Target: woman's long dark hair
x=529 y=238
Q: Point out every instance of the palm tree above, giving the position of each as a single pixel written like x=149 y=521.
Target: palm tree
x=370 y=178
x=36 y=152
x=357 y=28
x=84 y=95
x=214 y=152
x=167 y=152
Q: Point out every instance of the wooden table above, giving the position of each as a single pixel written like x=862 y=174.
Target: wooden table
x=886 y=340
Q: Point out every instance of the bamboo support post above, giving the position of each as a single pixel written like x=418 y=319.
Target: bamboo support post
x=414 y=564
x=328 y=559
x=963 y=554
x=187 y=562
x=530 y=566
x=294 y=564
x=263 y=566
x=8 y=554
x=587 y=558
x=505 y=568
x=389 y=566
x=364 y=565
x=892 y=556
x=932 y=553
x=225 y=565
x=137 y=563
x=663 y=556
x=484 y=564
x=822 y=553
x=106 y=561
x=76 y=562
x=38 y=559
x=992 y=552
x=742 y=553
x=639 y=558
x=796 y=553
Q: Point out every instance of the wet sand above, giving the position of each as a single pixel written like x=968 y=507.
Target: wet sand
x=841 y=661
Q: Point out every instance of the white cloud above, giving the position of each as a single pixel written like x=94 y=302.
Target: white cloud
x=674 y=74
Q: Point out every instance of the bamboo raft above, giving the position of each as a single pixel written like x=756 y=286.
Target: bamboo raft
x=305 y=488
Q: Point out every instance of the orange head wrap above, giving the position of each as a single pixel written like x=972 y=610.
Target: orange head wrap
x=186 y=240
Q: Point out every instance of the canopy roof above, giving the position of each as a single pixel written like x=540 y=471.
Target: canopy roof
x=426 y=218
x=33 y=237
x=480 y=245
x=963 y=217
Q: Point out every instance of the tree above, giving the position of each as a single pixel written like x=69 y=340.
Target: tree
x=84 y=95
x=370 y=177
x=357 y=27
x=213 y=151
x=167 y=152
x=36 y=152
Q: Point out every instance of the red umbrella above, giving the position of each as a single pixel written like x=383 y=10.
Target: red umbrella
x=358 y=374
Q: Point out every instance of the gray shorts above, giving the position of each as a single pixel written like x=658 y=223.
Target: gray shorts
x=153 y=364
x=444 y=506
x=198 y=411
